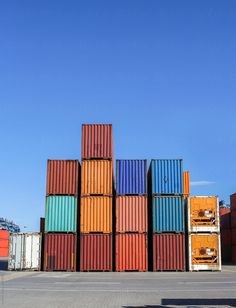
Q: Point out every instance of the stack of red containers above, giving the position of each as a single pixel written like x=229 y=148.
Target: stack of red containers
x=60 y=243
x=225 y=234
x=233 y=225
x=96 y=198
x=131 y=216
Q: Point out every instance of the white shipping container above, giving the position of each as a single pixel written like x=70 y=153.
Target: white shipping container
x=24 y=251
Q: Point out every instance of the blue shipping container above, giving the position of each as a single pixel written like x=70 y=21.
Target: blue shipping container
x=168 y=214
x=131 y=177
x=167 y=176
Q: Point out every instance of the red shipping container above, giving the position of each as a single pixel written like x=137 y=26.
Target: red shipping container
x=95 y=252
x=4 y=243
x=234 y=254
x=131 y=214
x=225 y=221
x=226 y=253
x=169 y=252
x=226 y=237
x=131 y=252
x=233 y=202
x=224 y=210
x=60 y=252
x=233 y=219
x=233 y=236
x=97 y=141
x=62 y=177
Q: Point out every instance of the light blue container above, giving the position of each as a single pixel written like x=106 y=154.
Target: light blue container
x=167 y=176
x=131 y=177
x=168 y=214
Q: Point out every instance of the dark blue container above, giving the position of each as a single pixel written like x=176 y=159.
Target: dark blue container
x=167 y=176
x=3 y=263
x=131 y=177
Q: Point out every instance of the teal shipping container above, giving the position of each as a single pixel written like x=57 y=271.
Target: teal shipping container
x=167 y=176
x=168 y=214
x=61 y=214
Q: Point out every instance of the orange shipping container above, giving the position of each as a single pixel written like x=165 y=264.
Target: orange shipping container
x=131 y=214
x=96 y=214
x=186 y=179
x=204 y=252
x=203 y=214
x=4 y=243
x=131 y=252
x=97 y=177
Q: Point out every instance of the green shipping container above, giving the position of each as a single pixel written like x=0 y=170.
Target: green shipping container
x=61 y=214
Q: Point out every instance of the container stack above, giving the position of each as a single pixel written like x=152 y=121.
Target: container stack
x=60 y=239
x=167 y=223
x=233 y=226
x=225 y=234
x=204 y=234
x=96 y=198
x=4 y=247
x=186 y=185
x=131 y=216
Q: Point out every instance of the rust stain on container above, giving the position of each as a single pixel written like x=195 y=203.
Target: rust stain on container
x=60 y=252
x=186 y=183
x=131 y=252
x=4 y=243
x=97 y=141
x=169 y=252
x=96 y=214
x=62 y=177
x=131 y=214
x=95 y=252
x=97 y=177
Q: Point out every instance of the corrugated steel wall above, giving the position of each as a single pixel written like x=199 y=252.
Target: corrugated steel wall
x=96 y=214
x=131 y=214
x=131 y=252
x=168 y=214
x=61 y=214
x=131 y=177
x=97 y=177
x=95 y=252
x=62 y=177
x=186 y=183
x=167 y=176
x=60 y=252
x=4 y=243
x=97 y=141
x=169 y=252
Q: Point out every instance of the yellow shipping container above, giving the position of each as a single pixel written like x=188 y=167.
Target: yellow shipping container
x=96 y=214
x=97 y=177
x=204 y=252
x=203 y=214
x=186 y=184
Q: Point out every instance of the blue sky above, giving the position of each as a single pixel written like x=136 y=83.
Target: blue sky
x=162 y=72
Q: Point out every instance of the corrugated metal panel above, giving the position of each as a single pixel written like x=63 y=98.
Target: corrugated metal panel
x=204 y=252
x=168 y=214
x=4 y=243
x=169 y=252
x=97 y=141
x=131 y=177
x=131 y=252
x=62 y=177
x=60 y=252
x=97 y=177
x=96 y=214
x=167 y=176
x=233 y=202
x=24 y=251
x=61 y=214
x=233 y=219
x=203 y=214
x=186 y=183
x=131 y=214
x=95 y=252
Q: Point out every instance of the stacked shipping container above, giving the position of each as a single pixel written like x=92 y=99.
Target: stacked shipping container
x=96 y=208
x=204 y=233
x=167 y=219
x=4 y=247
x=60 y=239
x=233 y=226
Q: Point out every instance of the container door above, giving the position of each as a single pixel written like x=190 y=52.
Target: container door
x=35 y=251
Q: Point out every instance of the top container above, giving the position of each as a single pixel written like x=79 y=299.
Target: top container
x=131 y=177
x=166 y=176
x=186 y=184
x=97 y=141
x=4 y=243
x=62 y=177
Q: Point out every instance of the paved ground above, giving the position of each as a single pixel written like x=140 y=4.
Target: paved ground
x=118 y=290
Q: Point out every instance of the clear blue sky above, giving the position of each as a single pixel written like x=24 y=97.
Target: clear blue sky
x=162 y=72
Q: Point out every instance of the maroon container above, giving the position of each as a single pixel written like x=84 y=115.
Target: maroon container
x=95 y=252
x=42 y=224
x=224 y=210
x=233 y=219
x=62 y=177
x=60 y=252
x=225 y=221
x=97 y=141
x=233 y=202
x=169 y=252
x=226 y=237
x=234 y=254
x=233 y=236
